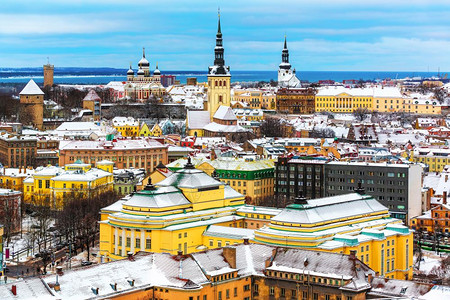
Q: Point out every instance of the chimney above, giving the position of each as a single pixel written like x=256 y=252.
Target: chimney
x=300 y=199
x=352 y=255
x=230 y=256
x=130 y=281
x=360 y=190
x=14 y=289
x=130 y=255
x=246 y=241
x=444 y=197
x=114 y=286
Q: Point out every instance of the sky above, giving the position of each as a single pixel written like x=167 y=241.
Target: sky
x=323 y=35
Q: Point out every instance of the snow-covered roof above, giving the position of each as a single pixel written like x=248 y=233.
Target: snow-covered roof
x=225 y=113
x=158 y=198
x=147 y=270
x=190 y=179
x=78 y=126
x=329 y=208
x=197 y=119
x=216 y=127
x=92 y=96
x=31 y=89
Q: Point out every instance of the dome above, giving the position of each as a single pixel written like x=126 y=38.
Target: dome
x=157 y=72
x=140 y=72
x=130 y=71
x=143 y=62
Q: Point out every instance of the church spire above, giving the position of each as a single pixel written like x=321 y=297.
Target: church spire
x=285 y=52
x=143 y=52
x=219 y=61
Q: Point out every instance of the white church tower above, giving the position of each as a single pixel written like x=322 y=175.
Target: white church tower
x=286 y=75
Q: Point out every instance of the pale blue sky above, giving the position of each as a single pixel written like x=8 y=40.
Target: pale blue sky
x=395 y=35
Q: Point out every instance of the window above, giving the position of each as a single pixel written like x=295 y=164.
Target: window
x=235 y=291
x=283 y=292
x=148 y=243
x=227 y=294
x=128 y=242
x=304 y=295
x=137 y=243
x=256 y=288
x=315 y=296
x=247 y=287
x=271 y=291
x=220 y=292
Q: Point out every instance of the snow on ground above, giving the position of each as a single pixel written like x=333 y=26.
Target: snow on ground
x=430 y=260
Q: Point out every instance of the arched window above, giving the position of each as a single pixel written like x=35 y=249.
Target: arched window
x=216 y=83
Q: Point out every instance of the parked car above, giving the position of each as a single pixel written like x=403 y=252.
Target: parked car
x=86 y=263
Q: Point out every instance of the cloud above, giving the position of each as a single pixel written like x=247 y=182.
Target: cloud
x=55 y=24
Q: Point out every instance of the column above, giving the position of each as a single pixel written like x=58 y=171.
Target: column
x=132 y=241
x=123 y=243
x=142 y=239
x=116 y=241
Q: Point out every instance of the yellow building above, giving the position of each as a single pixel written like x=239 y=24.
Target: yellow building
x=52 y=185
x=342 y=224
x=13 y=178
x=256 y=99
x=378 y=98
x=190 y=211
x=252 y=178
x=436 y=158
x=127 y=127
x=170 y=217
x=418 y=104
x=343 y=100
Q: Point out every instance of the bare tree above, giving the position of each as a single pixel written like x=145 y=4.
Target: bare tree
x=361 y=113
x=322 y=133
x=271 y=127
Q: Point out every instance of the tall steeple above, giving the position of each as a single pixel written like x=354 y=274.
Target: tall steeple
x=285 y=56
x=219 y=67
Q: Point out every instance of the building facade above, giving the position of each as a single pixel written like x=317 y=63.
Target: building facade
x=136 y=153
x=17 y=151
x=10 y=211
x=296 y=100
x=397 y=186
x=53 y=186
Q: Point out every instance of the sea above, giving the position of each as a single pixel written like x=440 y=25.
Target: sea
x=102 y=76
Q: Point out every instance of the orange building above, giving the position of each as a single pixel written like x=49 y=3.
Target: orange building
x=142 y=153
x=437 y=219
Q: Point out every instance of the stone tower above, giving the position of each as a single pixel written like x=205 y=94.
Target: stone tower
x=219 y=89
x=32 y=105
x=48 y=75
